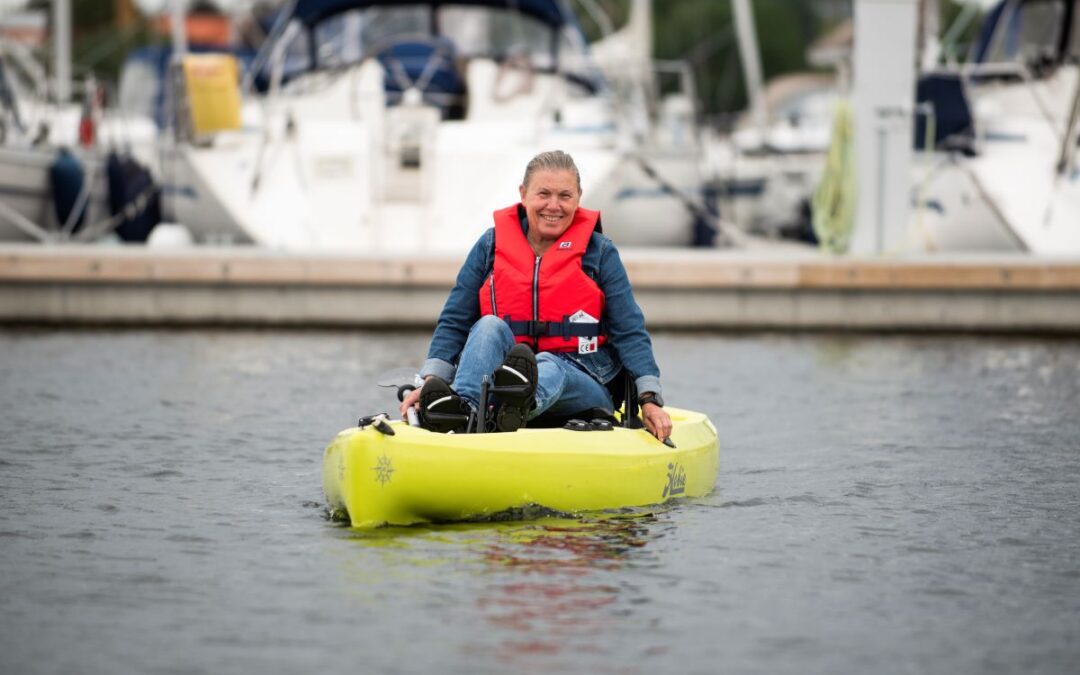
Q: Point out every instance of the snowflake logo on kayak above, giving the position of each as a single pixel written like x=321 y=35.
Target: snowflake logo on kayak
x=383 y=470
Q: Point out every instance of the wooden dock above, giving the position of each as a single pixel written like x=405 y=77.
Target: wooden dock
x=678 y=289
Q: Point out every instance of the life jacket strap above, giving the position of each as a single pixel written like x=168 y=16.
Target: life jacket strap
x=565 y=328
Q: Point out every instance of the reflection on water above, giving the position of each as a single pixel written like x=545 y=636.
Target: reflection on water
x=549 y=588
x=551 y=603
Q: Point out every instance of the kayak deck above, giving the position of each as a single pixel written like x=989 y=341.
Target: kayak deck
x=416 y=476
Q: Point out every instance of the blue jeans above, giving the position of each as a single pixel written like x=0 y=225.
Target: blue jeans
x=562 y=388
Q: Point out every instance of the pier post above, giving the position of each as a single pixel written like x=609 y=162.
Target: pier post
x=883 y=96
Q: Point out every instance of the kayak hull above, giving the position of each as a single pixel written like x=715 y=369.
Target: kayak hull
x=416 y=476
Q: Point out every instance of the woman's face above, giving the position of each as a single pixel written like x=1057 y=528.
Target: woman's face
x=550 y=200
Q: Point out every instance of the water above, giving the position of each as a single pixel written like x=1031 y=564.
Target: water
x=885 y=505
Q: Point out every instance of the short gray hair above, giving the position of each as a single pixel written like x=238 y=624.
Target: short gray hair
x=552 y=160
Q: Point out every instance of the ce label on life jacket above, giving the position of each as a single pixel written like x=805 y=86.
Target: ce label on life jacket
x=586 y=345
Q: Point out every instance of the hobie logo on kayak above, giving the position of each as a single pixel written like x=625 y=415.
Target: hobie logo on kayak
x=383 y=470
x=676 y=480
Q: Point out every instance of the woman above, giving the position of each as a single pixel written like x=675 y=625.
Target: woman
x=545 y=279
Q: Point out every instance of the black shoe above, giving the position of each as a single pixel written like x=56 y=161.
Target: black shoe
x=442 y=410
x=513 y=385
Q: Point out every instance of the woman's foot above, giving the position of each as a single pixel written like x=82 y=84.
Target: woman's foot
x=514 y=387
x=441 y=409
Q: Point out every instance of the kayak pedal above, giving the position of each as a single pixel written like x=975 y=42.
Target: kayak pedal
x=513 y=386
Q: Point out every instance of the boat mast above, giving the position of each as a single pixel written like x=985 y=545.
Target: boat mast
x=750 y=56
x=62 y=49
x=179 y=32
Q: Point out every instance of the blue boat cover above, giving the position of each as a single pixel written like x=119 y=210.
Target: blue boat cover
x=428 y=64
x=133 y=197
x=66 y=177
x=314 y=11
x=954 y=128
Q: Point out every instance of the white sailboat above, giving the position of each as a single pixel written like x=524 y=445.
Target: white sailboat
x=1002 y=174
x=390 y=126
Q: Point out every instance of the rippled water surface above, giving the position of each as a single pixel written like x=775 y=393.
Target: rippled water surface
x=884 y=505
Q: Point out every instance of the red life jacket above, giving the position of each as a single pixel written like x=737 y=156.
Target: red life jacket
x=549 y=302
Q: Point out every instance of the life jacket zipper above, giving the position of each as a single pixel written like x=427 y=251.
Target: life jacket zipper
x=491 y=281
x=536 y=298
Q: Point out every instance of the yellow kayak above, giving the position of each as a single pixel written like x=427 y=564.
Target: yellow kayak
x=374 y=478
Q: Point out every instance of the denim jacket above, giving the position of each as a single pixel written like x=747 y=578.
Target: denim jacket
x=628 y=343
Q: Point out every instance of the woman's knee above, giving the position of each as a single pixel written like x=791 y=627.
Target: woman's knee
x=490 y=327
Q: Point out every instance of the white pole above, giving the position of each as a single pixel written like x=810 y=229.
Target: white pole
x=62 y=49
x=883 y=101
x=179 y=30
x=751 y=61
x=929 y=34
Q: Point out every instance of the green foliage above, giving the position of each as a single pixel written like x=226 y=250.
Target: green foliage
x=103 y=51
x=85 y=14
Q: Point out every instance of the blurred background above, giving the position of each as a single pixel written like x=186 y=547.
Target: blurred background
x=732 y=122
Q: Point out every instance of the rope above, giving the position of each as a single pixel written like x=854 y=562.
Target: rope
x=833 y=203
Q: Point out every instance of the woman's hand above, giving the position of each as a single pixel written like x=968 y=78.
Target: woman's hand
x=657 y=421
x=411 y=400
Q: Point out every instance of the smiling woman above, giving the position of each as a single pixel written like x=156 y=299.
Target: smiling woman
x=550 y=193
x=544 y=279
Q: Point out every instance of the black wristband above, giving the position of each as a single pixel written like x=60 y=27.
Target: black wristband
x=650 y=397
